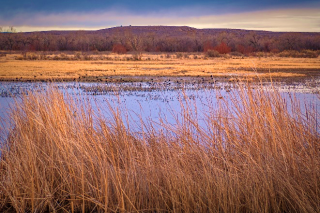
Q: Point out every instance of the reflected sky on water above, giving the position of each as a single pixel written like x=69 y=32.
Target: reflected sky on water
x=145 y=101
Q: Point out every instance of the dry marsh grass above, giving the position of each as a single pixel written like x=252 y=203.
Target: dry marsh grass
x=254 y=156
x=179 y=64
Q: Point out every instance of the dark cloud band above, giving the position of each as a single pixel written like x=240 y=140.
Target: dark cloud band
x=209 y=7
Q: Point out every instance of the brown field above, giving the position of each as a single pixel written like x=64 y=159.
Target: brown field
x=67 y=67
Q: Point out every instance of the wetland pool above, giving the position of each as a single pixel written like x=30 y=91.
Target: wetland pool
x=154 y=101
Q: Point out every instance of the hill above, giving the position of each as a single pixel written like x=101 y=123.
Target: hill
x=173 y=31
x=161 y=38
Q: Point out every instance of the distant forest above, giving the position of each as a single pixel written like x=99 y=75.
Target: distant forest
x=161 y=39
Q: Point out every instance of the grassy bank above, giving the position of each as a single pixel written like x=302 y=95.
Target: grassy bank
x=254 y=156
x=69 y=68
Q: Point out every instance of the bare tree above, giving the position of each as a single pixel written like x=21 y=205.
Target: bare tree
x=253 y=40
x=134 y=41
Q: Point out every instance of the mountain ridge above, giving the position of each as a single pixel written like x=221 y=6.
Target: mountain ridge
x=171 y=30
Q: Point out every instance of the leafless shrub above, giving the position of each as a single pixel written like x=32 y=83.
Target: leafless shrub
x=297 y=54
x=212 y=53
x=87 y=57
x=137 y=57
x=77 y=56
x=236 y=54
x=179 y=55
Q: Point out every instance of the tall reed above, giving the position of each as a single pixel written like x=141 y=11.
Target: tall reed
x=253 y=155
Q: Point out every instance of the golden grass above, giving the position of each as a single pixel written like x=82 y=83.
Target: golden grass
x=254 y=157
x=158 y=65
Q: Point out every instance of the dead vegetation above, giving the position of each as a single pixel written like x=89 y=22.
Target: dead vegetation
x=254 y=155
x=48 y=66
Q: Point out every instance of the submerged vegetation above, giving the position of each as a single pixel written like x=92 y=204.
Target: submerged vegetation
x=256 y=153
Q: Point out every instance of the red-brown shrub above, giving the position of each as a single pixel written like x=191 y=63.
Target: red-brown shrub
x=245 y=49
x=275 y=50
x=223 y=48
x=207 y=46
x=267 y=47
x=159 y=48
x=119 y=48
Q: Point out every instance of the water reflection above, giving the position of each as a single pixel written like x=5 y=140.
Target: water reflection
x=156 y=101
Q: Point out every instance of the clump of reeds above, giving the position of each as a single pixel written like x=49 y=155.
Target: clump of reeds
x=253 y=155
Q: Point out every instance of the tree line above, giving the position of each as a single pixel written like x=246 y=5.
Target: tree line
x=121 y=42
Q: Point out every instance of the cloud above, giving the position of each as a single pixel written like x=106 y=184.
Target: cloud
x=14 y=7
x=304 y=20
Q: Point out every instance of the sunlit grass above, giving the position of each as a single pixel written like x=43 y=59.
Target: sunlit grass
x=253 y=155
x=158 y=65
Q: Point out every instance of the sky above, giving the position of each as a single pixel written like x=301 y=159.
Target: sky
x=271 y=15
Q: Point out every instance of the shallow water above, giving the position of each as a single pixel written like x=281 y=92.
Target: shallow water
x=146 y=101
